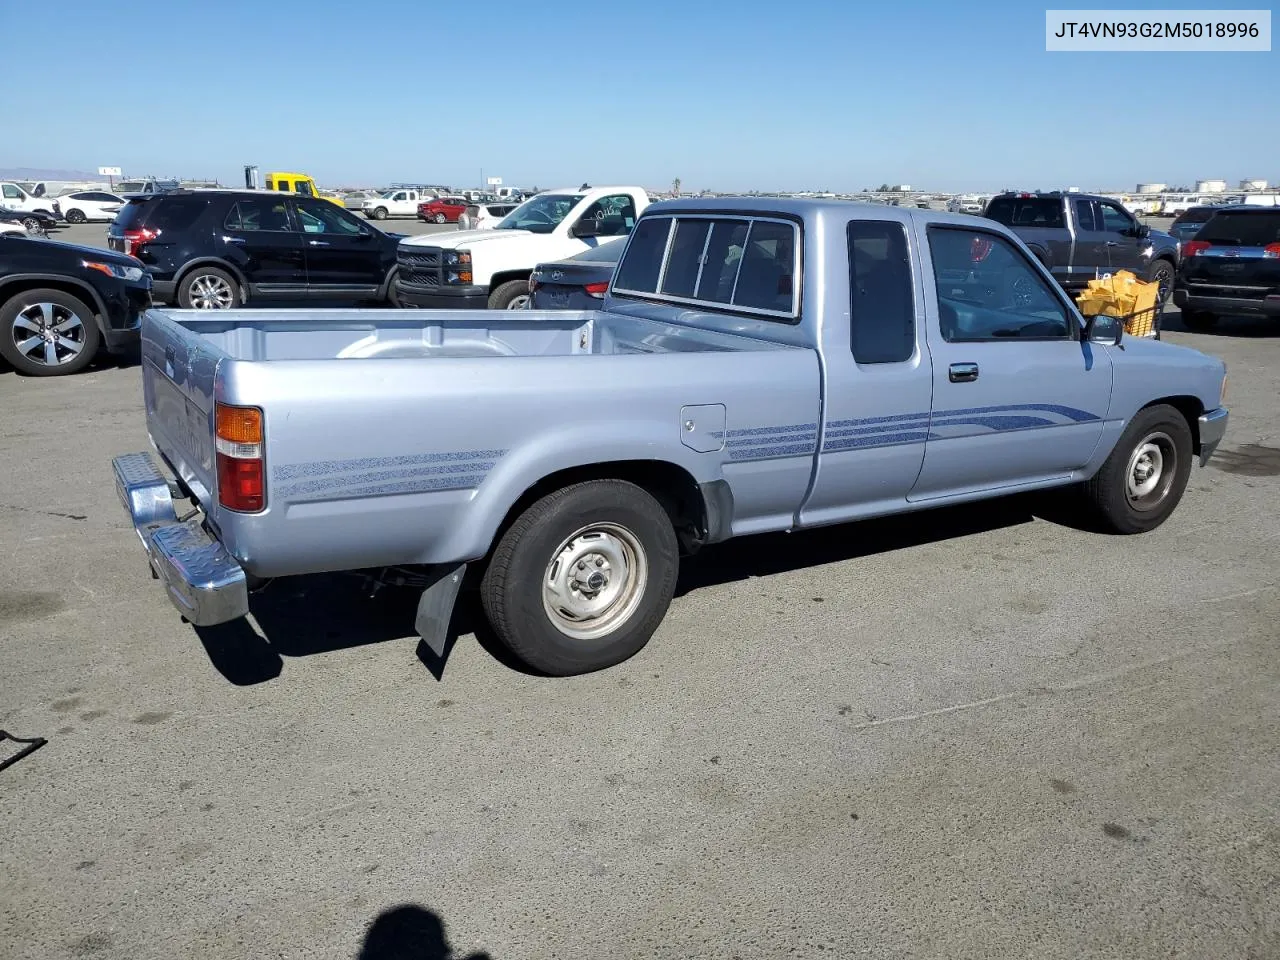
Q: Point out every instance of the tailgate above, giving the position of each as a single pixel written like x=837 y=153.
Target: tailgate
x=178 y=370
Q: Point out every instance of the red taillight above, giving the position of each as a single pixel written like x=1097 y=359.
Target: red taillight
x=597 y=290
x=134 y=240
x=1192 y=247
x=239 y=444
x=1271 y=251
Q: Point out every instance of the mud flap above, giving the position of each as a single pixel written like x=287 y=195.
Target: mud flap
x=435 y=608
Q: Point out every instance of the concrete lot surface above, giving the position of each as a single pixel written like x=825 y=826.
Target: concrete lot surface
x=975 y=733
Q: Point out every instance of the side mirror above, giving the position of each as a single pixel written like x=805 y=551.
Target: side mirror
x=1142 y=231
x=1105 y=330
x=586 y=227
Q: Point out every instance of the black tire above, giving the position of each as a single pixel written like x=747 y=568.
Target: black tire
x=204 y=287
x=569 y=531
x=1162 y=272
x=1109 y=490
x=441 y=218
x=75 y=216
x=379 y=213
x=1199 y=320
x=511 y=295
x=75 y=346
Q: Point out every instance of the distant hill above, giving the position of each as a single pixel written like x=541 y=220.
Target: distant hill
x=40 y=173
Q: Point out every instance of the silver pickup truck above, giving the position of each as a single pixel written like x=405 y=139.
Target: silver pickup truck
x=757 y=365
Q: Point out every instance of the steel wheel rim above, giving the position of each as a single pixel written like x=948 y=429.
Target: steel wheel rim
x=519 y=303
x=211 y=293
x=595 y=581
x=49 y=334
x=1150 y=471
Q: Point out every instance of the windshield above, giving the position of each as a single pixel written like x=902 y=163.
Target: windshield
x=542 y=214
x=387 y=194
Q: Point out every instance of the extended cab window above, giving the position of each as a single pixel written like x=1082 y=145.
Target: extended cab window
x=720 y=261
x=882 y=308
x=988 y=290
x=1026 y=211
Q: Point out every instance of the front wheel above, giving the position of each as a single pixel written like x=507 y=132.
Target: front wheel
x=47 y=333
x=441 y=218
x=1143 y=479
x=583 y=578
x=379 y=213
x=512 y=295
x=32 y=225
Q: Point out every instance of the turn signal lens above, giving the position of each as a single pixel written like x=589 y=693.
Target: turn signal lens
x=239 y=424
x=238 y=442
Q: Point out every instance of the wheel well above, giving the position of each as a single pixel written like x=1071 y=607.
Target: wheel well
x=8 y=290
x=672 y=486
x=498 y=279
x=1191 y=408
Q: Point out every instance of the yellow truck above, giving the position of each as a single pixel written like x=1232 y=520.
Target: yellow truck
x=299 y=183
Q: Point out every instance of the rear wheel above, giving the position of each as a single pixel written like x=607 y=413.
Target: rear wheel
x=1199 y=320
x=75 y=216
x=47 y=333
x=1143 y=479
x=583 y=578
x=208 y=288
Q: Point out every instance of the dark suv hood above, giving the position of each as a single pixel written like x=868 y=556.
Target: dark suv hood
x=97 y=254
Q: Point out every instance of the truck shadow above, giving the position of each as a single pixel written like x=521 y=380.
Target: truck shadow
x=303 y=616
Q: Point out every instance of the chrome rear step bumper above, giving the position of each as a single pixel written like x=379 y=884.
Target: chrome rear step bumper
x=204 y=582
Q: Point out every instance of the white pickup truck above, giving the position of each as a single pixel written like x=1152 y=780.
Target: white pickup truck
x=489 y=269
x=13 y=197
x=396 y=203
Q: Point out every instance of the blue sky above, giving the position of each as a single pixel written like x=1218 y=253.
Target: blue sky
x=752 y=94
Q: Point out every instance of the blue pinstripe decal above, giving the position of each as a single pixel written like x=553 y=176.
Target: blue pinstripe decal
x=377 y=476
x=901 y=428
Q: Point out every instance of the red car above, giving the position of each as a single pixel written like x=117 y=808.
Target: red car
x=443 y=209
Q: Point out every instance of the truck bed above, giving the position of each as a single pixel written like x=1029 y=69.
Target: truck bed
x=256 y=335
x=381 y=425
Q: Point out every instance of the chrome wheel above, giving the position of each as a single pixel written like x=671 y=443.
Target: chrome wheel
x=48 y=334
x=519 y=303
x=595 y=581
x=1152 y=467
x=209 y=292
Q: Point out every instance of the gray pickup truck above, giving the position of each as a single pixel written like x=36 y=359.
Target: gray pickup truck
x=757 y=365
x=1078 y=236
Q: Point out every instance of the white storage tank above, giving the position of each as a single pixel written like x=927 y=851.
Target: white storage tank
x=1152 y=187
x=1258 y=185
x=1211 y=186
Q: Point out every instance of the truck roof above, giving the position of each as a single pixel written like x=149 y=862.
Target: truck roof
x=806 y=207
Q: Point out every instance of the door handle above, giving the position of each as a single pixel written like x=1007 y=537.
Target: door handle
x=1113 y=243
x=963 y=372
x=318 y=243
x=233 y=239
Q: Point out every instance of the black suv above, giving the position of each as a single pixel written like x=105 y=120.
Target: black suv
x=1231 y=266
x=60 y=303
x=218 y=249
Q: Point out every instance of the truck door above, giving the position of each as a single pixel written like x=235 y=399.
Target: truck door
x=1123 y=238
x=878 y=376
x=1017 y=396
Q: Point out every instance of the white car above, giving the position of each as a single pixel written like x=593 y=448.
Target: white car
x=396 y=203
x=485 y=216
x=489 y=269
x=16 y=229
x=88 y=205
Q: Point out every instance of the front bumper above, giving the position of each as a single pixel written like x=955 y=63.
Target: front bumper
x=204 y=582
x=1213 y=427
x=442 y=298
x=1268 y=306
